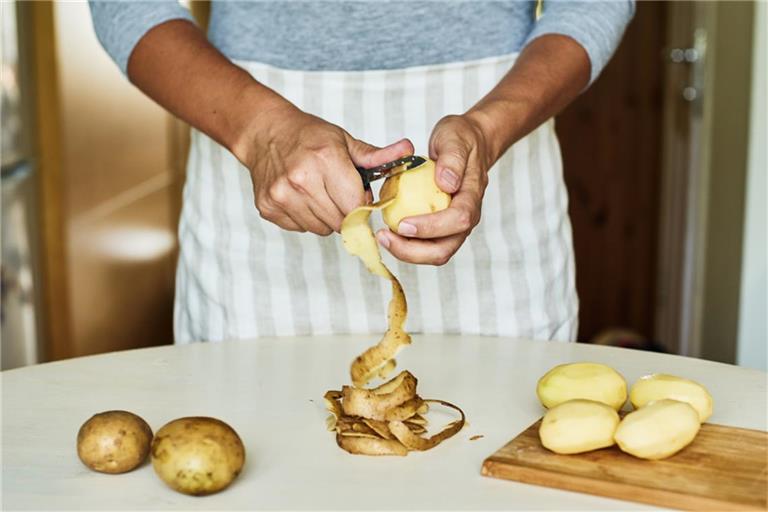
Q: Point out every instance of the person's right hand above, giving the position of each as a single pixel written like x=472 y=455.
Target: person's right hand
x=303 y=169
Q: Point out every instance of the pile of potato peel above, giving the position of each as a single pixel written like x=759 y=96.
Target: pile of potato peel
x=386 y=420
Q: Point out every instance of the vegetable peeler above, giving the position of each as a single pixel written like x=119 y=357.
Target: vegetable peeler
x=389 y=169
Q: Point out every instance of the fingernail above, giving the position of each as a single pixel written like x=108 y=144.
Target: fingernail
x=382 y=238
x=451 y=178
x=406 y=229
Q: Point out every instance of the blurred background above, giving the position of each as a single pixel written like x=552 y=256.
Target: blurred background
x=665 y=161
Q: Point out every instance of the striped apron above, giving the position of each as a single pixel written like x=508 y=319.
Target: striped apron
x=240 y=276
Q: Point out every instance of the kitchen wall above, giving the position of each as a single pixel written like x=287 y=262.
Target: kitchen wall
x=752 y=349
x=723 y=167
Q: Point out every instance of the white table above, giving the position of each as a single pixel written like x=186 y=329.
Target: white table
x=271 y=390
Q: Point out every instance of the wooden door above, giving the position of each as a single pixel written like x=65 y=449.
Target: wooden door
x=611 y=143
x=109 y=171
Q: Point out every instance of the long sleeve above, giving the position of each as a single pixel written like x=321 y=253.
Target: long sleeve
x=120 y=25
x=596 y=25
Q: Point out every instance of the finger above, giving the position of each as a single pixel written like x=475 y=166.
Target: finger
x=303 y=215
x=461 y=216
x=425 y=252
x=366 y=155
x=311 y=188
x=285 y=200
x=270 y=212
x=450 y=153
x=285 y=222
x=340 y=179
x=326 y=210
x=279 y=218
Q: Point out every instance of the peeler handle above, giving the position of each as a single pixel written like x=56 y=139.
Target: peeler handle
x=365 y=177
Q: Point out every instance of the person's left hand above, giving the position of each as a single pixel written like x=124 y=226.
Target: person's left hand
x=463 y=159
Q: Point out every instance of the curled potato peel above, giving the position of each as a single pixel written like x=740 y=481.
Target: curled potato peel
x=359 y=241
x=367 y=403
x=365 y=446
x=387 y=419
x=412 y=441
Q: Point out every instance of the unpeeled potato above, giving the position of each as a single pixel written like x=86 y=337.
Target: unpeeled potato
x=660 y=386
x=658 y=430
x=578 y=426
x=589 y=381
x=197 y=455
x=415 y=193
x=113 y=441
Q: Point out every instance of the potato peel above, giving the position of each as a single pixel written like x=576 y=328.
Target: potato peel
x=388 y=419
x=404 y=411
x=367 y=403
x=380 y=427
x=413 y=441
x=358 y=239
x=366 y=446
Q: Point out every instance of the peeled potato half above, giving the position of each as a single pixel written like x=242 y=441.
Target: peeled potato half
x=588 y=381
x=660 y=386
x=658 y=430
x=578 y=426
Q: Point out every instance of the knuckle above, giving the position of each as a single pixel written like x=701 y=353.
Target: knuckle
x=442 y=257
x=278 y=193
x=298 y=178
x=464 y=220
x=452 y=118
x=264 y=208
x=455 y=157
x=327 y=153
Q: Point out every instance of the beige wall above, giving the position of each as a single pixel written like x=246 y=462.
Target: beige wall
x=727 y=119
x=753 y=305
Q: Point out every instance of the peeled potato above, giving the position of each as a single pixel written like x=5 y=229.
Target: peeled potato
x=658 y=430
x=589 y=381
x=197 y=455
x=659 y=386
x=113 y=441
x=578 y=426
x=415 y=193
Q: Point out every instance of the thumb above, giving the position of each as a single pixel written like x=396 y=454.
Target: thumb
x=366 y=155
x=450 y=154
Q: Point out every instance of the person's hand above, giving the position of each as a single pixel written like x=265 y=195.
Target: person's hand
x=303 y=170
x=462 y=160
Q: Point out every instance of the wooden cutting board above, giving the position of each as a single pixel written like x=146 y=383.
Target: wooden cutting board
x=725 y=468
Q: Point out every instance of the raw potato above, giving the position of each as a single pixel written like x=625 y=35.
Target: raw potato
x=658 y=430
x=415 y=193
x=659 y=386
x=589 y=381
x=578 y=426
x=197 y=455
x=113 y=441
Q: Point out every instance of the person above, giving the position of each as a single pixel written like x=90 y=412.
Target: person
x=286 y=97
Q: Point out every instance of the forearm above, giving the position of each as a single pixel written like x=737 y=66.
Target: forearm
x=175 y=65
x=549 y=73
